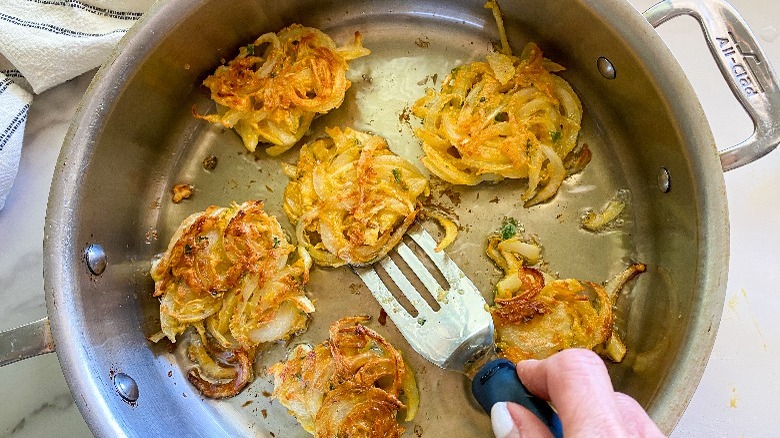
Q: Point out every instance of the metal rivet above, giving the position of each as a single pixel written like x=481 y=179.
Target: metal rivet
x=126 y=387
x=96 y=258
x=606 y=68
x=664 y=180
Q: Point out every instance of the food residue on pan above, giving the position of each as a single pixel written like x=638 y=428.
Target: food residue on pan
x=422 y=42
x=734 y=399
x=210 y=162
x=181 y=192
x=151 y=235
x=453 y=195
x=405 y=115
x=433 y=78
x=610 y=215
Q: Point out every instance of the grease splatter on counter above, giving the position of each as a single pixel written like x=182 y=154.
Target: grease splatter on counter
x=769 y=33
x=733 y=304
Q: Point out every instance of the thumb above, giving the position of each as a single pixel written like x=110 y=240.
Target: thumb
x=511 y=420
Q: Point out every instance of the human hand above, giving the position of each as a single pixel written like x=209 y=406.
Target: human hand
x=577 y=384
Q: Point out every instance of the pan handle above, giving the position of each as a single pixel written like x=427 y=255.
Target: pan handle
x=743 y=64
x=25 y=342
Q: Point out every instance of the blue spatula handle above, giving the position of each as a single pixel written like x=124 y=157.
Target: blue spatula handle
x=497 y=381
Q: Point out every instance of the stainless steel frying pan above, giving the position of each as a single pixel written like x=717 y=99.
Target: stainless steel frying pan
x=134 y=138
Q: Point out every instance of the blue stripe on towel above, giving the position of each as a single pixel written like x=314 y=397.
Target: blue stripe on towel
x=55 y=29
x=11 y=128
x=121 y=15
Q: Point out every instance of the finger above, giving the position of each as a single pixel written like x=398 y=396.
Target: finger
x=582 y=368
x=510 y=420
x=577 y=383
x=503 y=423
x=635 y=418
x=528 y=424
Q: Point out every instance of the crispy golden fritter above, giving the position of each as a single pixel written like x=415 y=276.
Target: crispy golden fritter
x=351 y=198
x=227 y=272
x=535 y=317
x=272 y=90
x=507 y=117
x=356 y=411
x=351 y=385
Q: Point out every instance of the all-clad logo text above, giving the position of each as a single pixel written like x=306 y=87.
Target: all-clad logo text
x=740 y=69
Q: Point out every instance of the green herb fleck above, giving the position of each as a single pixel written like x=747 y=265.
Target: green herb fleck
x=482 y=99
x=555 y=136
x=277 y=242
x=250 y=49
x=398 y=180
x=502 y=117
x=397 y=176
x=508 y=229
x=187 y=249
x=421 y=321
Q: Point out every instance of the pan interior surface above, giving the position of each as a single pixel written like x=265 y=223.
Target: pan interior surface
x=142 y=142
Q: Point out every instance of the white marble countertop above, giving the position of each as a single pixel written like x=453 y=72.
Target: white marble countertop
x=739 y=393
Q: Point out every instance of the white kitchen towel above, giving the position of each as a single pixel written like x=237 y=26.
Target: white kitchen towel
x=14 y=102
x=45 y=43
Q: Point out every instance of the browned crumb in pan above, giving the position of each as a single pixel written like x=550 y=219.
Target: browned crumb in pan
x=181 y=192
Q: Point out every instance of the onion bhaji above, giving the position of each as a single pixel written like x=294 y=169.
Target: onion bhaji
x=354 y=384
x=536 y=316
x=228 y=273
x=273 y=89
x=506 y=117
x=351 y=198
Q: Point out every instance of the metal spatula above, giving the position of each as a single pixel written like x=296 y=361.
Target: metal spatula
x=458 y=336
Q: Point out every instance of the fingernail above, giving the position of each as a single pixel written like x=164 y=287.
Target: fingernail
x=503 y=425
